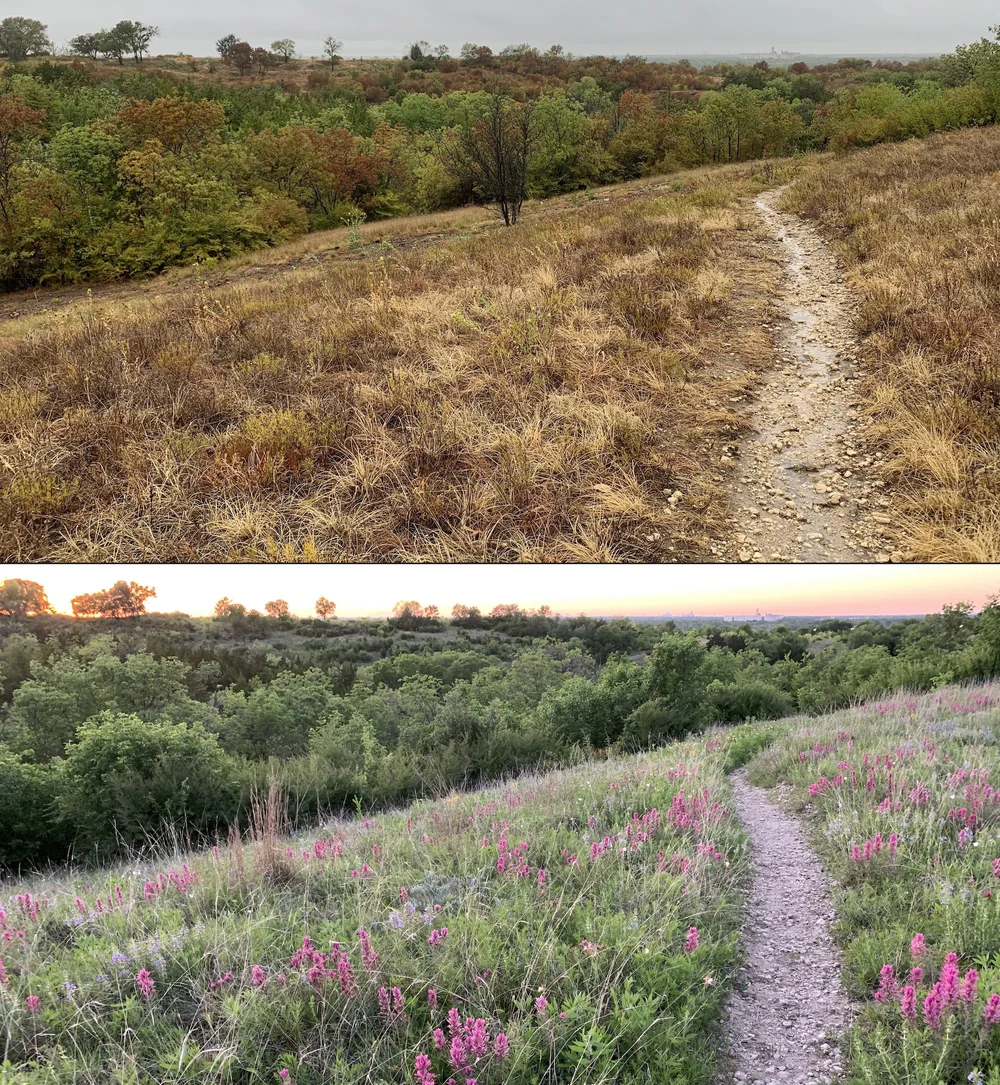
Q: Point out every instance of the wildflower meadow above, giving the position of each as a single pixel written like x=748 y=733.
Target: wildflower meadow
x=580 y=926
x=903 y=796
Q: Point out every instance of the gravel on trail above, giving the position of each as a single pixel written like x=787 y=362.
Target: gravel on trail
x=789 y=1009
x=801 y=491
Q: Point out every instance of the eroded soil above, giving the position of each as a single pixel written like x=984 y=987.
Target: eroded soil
x=800 y=492
x=784 y=1019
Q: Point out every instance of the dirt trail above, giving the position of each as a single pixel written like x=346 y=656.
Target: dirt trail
x=784 y=1023
x=798 y=491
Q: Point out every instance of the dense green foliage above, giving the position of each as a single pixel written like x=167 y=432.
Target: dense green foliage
x=108 y=172
x=899 y=794
x=113 y=730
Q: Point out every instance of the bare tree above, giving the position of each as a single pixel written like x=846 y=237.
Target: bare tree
x=331 y=50
x=493 y=153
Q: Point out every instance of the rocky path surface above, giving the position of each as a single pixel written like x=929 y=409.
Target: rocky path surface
x=784 y=1022
x=800 y=493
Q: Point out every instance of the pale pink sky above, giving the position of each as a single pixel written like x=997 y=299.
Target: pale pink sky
x=568 y=589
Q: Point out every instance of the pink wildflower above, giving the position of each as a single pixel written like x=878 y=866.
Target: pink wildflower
x=908 y=1003
x=501 y=1045
x=283 y=1074
x=32 y=1002
x=916 y=975
x=458 y=1056
x=383 y=1001
x=917 y=946
x=970 y=983
x=439 y=1040
x=887 y=986
x=541 y=1005
x=949 y=979
x=4 y=981
x=432 y=998
x=423 y=1069
x=478 y=1038
x=454 y=1022
x=991 y=1011
x=691 y=943
x=144 y=981
x=932 y=1007
x=257 y=976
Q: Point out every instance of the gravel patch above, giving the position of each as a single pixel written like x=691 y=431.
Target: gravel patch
x=789 y=1009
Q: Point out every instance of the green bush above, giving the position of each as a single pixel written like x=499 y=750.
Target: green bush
x=124 y=780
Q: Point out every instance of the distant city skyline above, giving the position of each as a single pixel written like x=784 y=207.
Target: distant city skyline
x=640 y=591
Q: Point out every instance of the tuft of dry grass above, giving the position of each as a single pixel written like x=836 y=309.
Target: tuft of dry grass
x=917 y=223
x=533 y=394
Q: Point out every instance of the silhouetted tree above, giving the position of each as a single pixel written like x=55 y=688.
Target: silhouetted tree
x=23 y=598
x=331 y=50
x=122 y=600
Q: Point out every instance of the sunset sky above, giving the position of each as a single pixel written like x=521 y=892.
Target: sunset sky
x=569 y=589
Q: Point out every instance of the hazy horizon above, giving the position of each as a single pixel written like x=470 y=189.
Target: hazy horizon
x=638 y=591
x=714 y=27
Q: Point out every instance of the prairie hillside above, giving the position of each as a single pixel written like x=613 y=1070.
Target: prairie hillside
x=916 y=224
x=562 y=391
x=587 y=923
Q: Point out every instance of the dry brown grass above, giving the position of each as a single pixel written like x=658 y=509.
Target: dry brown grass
x=537 y=394
x=919 y=225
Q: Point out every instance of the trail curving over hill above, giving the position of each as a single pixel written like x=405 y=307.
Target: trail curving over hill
x=783 y=1021
x=798 y=491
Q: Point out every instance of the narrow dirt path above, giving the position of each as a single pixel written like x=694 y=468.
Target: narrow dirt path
x=784 y=1023
x=799 y=491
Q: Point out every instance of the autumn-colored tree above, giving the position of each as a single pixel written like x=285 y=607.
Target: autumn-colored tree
x=505 y=610
x=460 y=610
x=179 y=124
x=18 y=122
x=324 y=608
x=122 y=600
x=240 y=57
x=431 y=612
x=277 y=608
x=22 y=599
x=408 y=609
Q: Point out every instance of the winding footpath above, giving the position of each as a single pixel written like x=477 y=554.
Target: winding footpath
x=784 y=1019
x=800 y=493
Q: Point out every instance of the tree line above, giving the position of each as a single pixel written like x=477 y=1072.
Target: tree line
x=108 y=172
x=114 y=731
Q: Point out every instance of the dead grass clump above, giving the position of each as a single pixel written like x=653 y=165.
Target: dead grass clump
x=534 y=394
x=918 y=224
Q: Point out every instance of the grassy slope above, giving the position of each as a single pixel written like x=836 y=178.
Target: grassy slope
x=917 y=223
x=535 y=394
x=601 y=937
x=920 y=767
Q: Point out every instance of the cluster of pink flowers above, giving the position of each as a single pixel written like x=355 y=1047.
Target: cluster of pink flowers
x=33 y=1003
x=874 y=847
x=322 y=967
x=437 y=936
x=29 y=906
x=588 y=948
x=4 y=981
x=467 y=1044
x=181 y=881
x=226 y=977
x=952 y=992
x=823 y=784
x=692 y=940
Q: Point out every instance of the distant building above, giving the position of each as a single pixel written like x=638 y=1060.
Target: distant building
x=772 y=57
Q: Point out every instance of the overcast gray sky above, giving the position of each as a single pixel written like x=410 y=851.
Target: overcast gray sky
x=384 y=27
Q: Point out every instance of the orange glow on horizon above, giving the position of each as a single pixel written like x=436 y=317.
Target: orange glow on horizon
x=643 y=590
